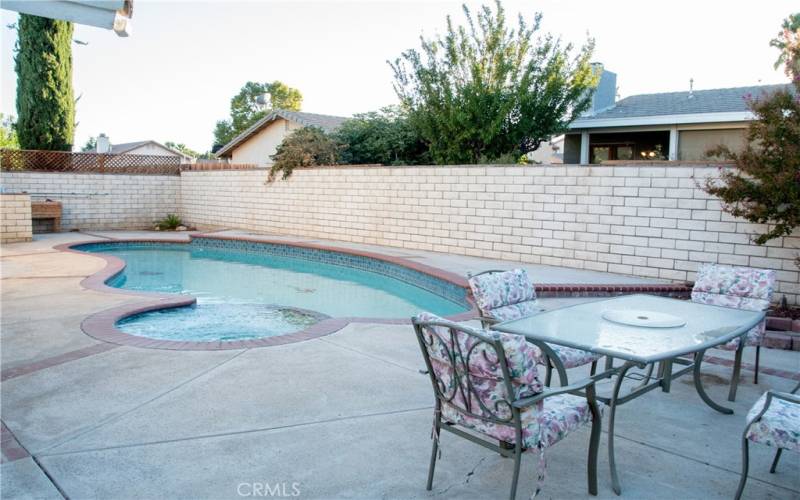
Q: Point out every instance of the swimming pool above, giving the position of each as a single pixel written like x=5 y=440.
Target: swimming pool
x=249 y=290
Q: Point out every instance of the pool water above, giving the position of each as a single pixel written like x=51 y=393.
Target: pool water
x=245 y=295
x=217 y=322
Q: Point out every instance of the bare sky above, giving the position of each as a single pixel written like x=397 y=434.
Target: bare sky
x=174 y=77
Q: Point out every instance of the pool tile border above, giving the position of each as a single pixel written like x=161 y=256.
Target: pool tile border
x=102 y=325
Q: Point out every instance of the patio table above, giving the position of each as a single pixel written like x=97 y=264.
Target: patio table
x=645 y=330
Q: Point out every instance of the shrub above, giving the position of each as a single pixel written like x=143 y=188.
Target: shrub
x=169 y=223
x=384 y=137
x=305 y=147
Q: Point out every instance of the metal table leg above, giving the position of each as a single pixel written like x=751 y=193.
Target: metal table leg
x=612 y=411
x=698 y=385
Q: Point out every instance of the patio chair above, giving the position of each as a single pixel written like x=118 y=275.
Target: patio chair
x=774 y=421
x=487 y=382
x=506 y=295
x=740 y=288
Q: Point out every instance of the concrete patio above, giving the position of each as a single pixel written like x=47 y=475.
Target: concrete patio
x=343 y=416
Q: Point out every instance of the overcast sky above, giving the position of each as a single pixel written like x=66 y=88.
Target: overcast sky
x=174 y=77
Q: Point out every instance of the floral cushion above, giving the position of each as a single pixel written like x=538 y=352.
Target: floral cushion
x=496 y=290
x=543 y=423
x=752 y=338
x=560 y=415
x=572 y=358
x=508 y=295
x=513 y=311
x=737 y=287
x=778 y=427
x=481 y=360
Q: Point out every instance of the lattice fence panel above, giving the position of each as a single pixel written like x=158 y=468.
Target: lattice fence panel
x=66 y=161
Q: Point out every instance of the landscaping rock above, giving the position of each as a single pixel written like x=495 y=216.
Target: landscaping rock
x=181 y=228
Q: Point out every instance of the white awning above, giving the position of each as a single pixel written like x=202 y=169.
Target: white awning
x=109 y=14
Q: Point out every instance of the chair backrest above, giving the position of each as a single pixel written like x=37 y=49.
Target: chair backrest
x=740 y=287
x=477 y=373
x=504 y=295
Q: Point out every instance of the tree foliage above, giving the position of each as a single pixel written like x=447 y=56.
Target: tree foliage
x=45 y=101
x=485 y=90
x=765 y=187
x=8 y=133
x=246 y=108
x=305 y=147
x=384 y=137
x=90 y=146
x=182 y=148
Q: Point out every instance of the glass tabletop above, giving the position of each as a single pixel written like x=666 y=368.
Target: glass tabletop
x=643 y=328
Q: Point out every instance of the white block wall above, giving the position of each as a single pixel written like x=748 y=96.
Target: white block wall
x=15 y=218
x=96 y=201
x=649 y=221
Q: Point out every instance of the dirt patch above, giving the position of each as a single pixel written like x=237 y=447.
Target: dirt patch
x=707 y=379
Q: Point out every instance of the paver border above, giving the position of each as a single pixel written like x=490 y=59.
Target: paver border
x=102 y=325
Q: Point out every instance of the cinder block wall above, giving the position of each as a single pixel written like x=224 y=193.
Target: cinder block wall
x=15 y=218
x=98 y=201
x=651 y=221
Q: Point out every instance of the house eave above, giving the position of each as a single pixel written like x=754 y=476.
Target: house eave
x=666 y=120
x=108 y=14
x=227 y=150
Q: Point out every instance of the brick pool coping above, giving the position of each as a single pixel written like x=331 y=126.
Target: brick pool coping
x=102 y=326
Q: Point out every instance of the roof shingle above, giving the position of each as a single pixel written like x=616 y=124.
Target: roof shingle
x=678 y=103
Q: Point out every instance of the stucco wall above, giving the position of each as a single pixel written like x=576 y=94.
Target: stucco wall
x=645 y=221
x=15 y=218
x=96 y=201
x=693 y=144
x=258 y=149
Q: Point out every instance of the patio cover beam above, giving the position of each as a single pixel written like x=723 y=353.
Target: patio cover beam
x=108 y=14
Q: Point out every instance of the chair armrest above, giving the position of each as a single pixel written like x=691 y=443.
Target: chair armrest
x=572 y=388
x=786 y=396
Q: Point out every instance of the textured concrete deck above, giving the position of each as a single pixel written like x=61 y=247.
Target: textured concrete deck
x=347 y=415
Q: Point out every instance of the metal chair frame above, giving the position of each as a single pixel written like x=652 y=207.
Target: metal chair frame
x=511 y=408
x=792 y=398
x=737 y=367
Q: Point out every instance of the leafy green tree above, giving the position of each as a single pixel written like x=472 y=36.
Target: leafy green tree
x=305 y=147
x=90 y=146
x=246 y=108
x=384 y=137
x=765 y=186
x=182 y=148
x=45 y=102
x=485 y=90
x=8 y=133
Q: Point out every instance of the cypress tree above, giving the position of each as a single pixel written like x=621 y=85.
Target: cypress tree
x=45 y=102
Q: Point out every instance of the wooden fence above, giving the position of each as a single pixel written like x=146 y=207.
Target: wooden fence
x=67 y=161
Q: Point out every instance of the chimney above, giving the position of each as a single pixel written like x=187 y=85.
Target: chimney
x=605 y=95
x=103 y=145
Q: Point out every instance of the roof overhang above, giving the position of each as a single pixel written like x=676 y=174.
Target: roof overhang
x=634 y=121
x=109 y=14
x=253 y=129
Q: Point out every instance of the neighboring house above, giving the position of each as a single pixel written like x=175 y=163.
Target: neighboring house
x=258 y=143
x=677 y=126
x=148 y=148
x=549 y=152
